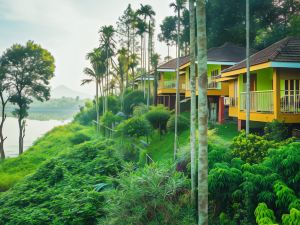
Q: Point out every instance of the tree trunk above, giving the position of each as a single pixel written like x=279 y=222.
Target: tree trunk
x=3 y=118
x=107 y=74
x=128 y=50
x=177 y=101
x=141 y=62
x=144 y=72
x=149 y=61
x=155 y=86
x=133 y=77
x=193 y=100
x=202 y=114
x=97 y=105
x=21 y=124
x=248 y=70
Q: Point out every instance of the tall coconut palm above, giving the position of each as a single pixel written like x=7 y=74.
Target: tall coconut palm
x=248 y=69
x=178 y=6
x=154 y=62
x=202 y=114
x=193 y=99
x=141 y=30
x=148 y=13
x=133 y=62
x=95 y=74
x=107 y=43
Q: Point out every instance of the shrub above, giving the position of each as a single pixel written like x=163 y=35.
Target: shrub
x=276 y=131
x=140 y=110
x=79 y=138
x=151 y=195
x=254 y=148
x=158 y=117
x=109 y=120
x=135 y=127
x=182 y=125
x=264 y=215
x=133 y=99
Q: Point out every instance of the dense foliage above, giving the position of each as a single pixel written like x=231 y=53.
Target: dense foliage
x=62 y=191
x=158 y=117
x=153 y=195
x=133 y=99
x=182 y=124
x=135 y=127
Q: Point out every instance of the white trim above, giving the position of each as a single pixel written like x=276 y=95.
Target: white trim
x=285 y=64
x=220 y=63
x=166 y=70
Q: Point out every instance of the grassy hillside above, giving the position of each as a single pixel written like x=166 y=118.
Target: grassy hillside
x=55 y=142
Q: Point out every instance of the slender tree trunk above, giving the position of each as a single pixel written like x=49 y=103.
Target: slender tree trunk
x=3 y=118
x=97 y=104
x=155 y=86
x=193 y=100
x=202 y=114
x=145 y=64
x=141 y=61
x=149 y=61
x=128 y=50
x=21 y=124
x=177 y=103
x=133 y=77
x=103 y=97
x=168 y=51
x=248 y=69
x=107 y=74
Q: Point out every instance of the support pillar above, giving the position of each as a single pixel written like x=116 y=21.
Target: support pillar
x=221 y=111
x=240 y=125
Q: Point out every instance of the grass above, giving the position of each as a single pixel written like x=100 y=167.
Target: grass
x=161 y=149
x=55 y=142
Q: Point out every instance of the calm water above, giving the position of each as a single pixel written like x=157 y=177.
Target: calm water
x=34 y=130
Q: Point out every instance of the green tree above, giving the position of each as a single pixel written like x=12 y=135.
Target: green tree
x=95 y=74
x=168 y=32
x=147 y=11
x=178 y=5
x=29 y=69
x=193 y=99
x=4 y=97
x=107 y=44
x=133 y=63
x=202 y=114
x=154 y=62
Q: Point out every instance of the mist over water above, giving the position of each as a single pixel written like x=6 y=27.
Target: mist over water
x=34 y=130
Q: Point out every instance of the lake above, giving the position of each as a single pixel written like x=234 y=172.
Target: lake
x=34 y=130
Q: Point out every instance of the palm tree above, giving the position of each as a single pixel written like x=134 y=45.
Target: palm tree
x=248 y=69
x=107 y=43
x=168 y=30
x=202 y=114
x=193 y=99
x=133 y=62
x=95 y=74
x=154 y=62
x=141 y=30
x=178 y=6
x=147 y=12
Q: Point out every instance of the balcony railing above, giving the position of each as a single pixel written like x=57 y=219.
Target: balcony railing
x=171 y=84
x=233 y=101
x=289 y=101
x=260 y=101
x=212 y=84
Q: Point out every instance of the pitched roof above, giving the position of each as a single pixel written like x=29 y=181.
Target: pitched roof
x=172 y=64
x=228 y=52
x=286 y=50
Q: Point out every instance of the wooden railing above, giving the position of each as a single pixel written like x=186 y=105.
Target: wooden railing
x=260 y=101
x=170 y=84
x=289 y=101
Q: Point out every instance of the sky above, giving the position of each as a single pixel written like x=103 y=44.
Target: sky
x=68 y=29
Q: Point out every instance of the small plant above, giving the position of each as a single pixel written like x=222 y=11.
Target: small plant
x=79 y=138
x=135 y=127
x=182 y=125
x=276 y=131
x=158 y=117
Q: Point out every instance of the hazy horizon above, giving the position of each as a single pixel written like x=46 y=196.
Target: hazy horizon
x=68 y=29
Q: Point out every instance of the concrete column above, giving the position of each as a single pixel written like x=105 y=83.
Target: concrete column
x=221 y=111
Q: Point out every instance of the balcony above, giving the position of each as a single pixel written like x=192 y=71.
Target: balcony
x=260 y=101
x=170 y=87
x=290 y=101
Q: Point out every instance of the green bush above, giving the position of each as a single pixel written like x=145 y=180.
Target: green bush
x=79 y=138
x=140 y=110
x=133 y=99
x=182 y=124
x=151 y=195
x=135 y=127
x=109 y=120
x=276 y=131
x=254 y=148
x=88 y=114
x=158 y=117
